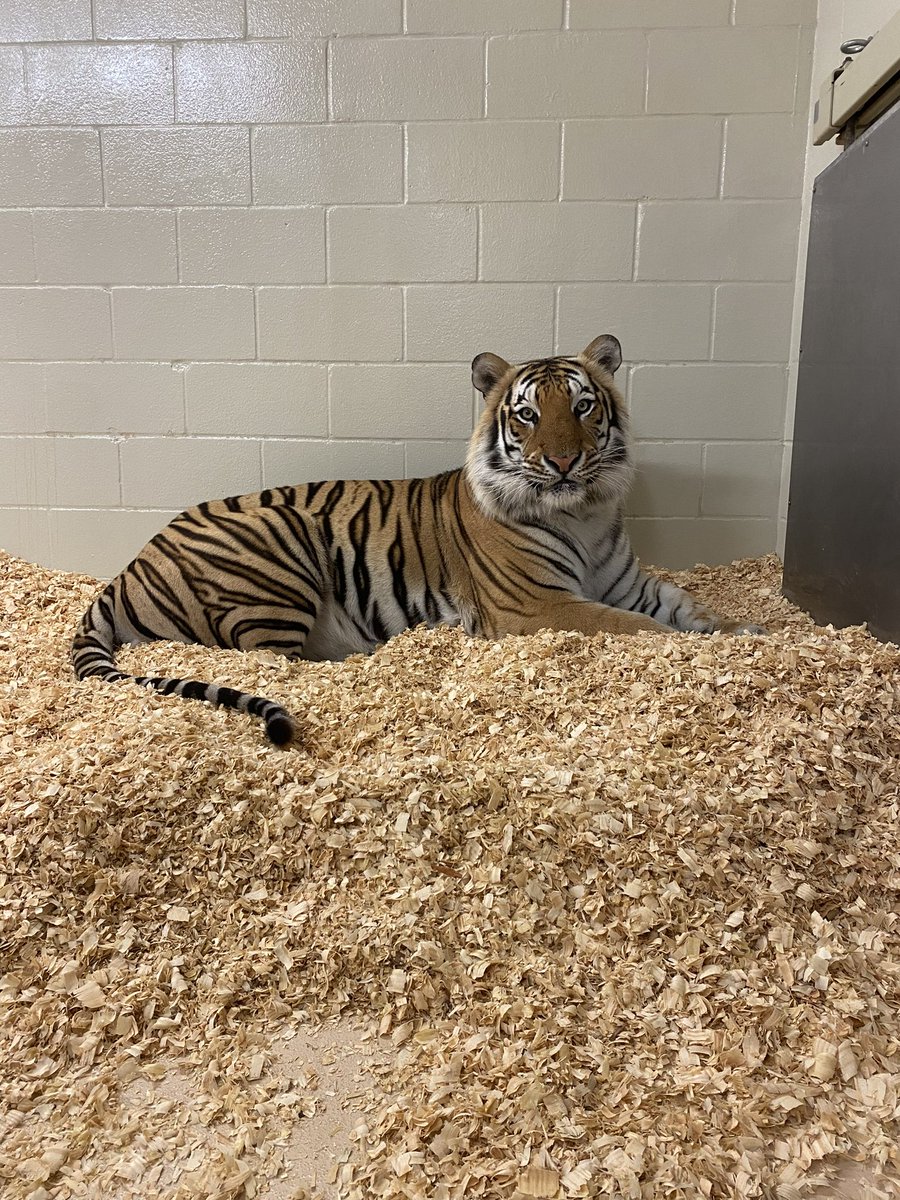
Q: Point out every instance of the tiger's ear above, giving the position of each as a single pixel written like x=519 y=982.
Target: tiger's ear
x=487 y=369
x=604 y=351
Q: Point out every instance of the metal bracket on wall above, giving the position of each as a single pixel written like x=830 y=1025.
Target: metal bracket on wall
x=865 y=85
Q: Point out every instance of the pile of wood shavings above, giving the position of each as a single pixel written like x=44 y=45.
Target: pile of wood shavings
x=625 y=908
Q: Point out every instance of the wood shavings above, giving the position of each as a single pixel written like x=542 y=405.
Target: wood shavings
x=538 y=1181
x=624 y=911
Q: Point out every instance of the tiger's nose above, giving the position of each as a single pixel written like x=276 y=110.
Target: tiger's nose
x=562 y=462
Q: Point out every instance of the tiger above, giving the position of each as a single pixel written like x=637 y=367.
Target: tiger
x=527 y=535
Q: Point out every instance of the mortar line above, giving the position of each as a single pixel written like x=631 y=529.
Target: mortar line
x=404 y=161
x=484 y=78
x=561 y=161
x=250 y=163
x=184 y=409
x=636 y=243
x=326 y=211
x=329 y=110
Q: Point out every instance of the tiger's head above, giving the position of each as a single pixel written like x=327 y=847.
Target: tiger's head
x=554 y=433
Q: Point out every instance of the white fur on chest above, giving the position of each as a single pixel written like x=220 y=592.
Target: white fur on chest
x=592 y=546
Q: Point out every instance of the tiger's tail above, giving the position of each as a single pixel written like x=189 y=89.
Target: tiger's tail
x=93 y=653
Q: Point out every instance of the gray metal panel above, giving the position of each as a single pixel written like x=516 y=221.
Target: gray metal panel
x=842 y=555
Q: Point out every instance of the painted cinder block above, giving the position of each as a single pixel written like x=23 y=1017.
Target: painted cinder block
x=408 y=400
x=394 y=243
x=407 y=79
x=179 y=471
x=100 y=84
x=331 y=324
x=359 y=163
x=193 y=165
x=55 y=322
x=259 y=398
x=105 y=246
x=167 y=19
x=566 y=75
x=184 y=323
x=252 y=245
x=250 y=81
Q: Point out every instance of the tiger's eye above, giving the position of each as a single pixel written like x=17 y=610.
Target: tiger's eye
x=526 y=414
x=582 y=407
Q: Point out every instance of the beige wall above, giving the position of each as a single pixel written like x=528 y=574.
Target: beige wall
x=250 y=243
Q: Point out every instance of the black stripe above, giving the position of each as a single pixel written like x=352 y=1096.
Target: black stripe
x=86 y=663
x=632 y=564
x=282 y=624
x=312 y=490
x=615 y=534
x=472 y=554
x=638 y=605
x=192 y=689
x=130 y=613
x=538 y=554
x=176 y=613
x=658 y=605
x=617 y=580
x=359 y=530
x=106 y=603
x=299 y=525
x=334 y=498
x=262 y=584
x=385 y=491
x=559 y=536
x=292 y=563
x=432 y=612
x=248 y=534
x=288 y=551
x=422 y=491
x=503 y=583
x=397 y=563
x=339 y=576
x=378 y=626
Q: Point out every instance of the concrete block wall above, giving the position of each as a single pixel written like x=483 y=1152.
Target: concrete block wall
x=251 y=242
